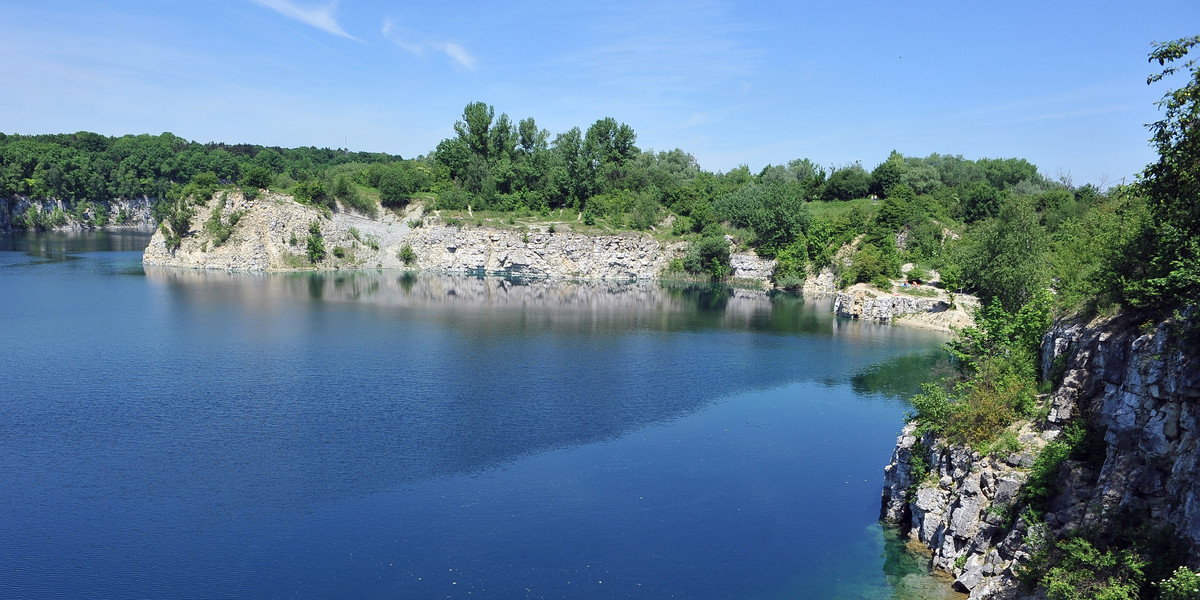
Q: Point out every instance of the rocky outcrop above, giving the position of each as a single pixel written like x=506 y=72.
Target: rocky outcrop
x=540 y=254
x=749 y=266
x=272 y=233
x=1140 y=386
x=938 y=310
x=59 y=215
x=883 y=307
x=960 y=509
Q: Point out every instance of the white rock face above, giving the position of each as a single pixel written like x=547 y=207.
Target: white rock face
x=263 y=241
x=939 y=311
x=750 y=266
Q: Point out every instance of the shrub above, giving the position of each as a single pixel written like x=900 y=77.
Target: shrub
x=311 y=191
x=256 y=177
x=100 y=214
x=791 y=264
x=316 y=243
x=215 y=227
x=931 y=408
x=406 y=255
x=1184 y=584
x=976 y=411
x=179 y=218
x=1040 y=486
x=363 y=204
x=57 y=218
x=710 y=255
x=172 y=240
x=1085 y=573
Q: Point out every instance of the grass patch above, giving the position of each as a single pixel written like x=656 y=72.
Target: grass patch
x=920 y=292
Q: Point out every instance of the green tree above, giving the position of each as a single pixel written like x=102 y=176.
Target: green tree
x=316 y=243
x=474 y=130
x=888 y=174
x=256 y=177
x=1172 y=185
x=608 y=147
x=395 y=187
x=530 y=139
x=922 y=179
x=709 y=254
x=1006 y=257
x=981 y=201
x=570 y=168
x=847 y=183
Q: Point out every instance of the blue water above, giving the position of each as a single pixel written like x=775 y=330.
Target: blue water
x=376 y=435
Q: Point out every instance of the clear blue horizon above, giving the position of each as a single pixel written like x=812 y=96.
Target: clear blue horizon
x=1060 y=84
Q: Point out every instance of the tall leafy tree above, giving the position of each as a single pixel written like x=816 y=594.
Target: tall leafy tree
x=1172 y=185
x=474 y=129
x=1006 y=257
x=530 y=139
x=607 y=149
x=887 y=175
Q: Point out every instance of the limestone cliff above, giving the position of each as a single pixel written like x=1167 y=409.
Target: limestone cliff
x=272 y=231
x=1139 y=385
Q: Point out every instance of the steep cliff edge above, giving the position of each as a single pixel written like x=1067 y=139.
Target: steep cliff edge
x=1136 y=386
x=272 y=230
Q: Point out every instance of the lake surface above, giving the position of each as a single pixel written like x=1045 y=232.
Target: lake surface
x=177 y=434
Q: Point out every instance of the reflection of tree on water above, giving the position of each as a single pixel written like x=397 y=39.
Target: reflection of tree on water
x=316 y=286
x=901 y=376
x=57 y=246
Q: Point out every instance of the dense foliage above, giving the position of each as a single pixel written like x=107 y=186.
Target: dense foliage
x=88 y=166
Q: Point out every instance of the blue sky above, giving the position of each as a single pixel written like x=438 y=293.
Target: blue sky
x=1062 y=84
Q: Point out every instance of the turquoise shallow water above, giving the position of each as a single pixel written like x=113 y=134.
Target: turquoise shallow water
x=179 y=434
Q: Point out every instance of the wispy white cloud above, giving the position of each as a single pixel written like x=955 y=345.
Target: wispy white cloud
x=669 y=49
x=321 y=17
x=407 y=42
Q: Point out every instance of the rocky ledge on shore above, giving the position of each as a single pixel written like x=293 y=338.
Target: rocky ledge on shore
x=923 y=306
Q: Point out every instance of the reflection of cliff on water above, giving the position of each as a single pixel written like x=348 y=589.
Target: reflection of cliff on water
x=335 y=385
x=594 y=306
x=61 y=245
